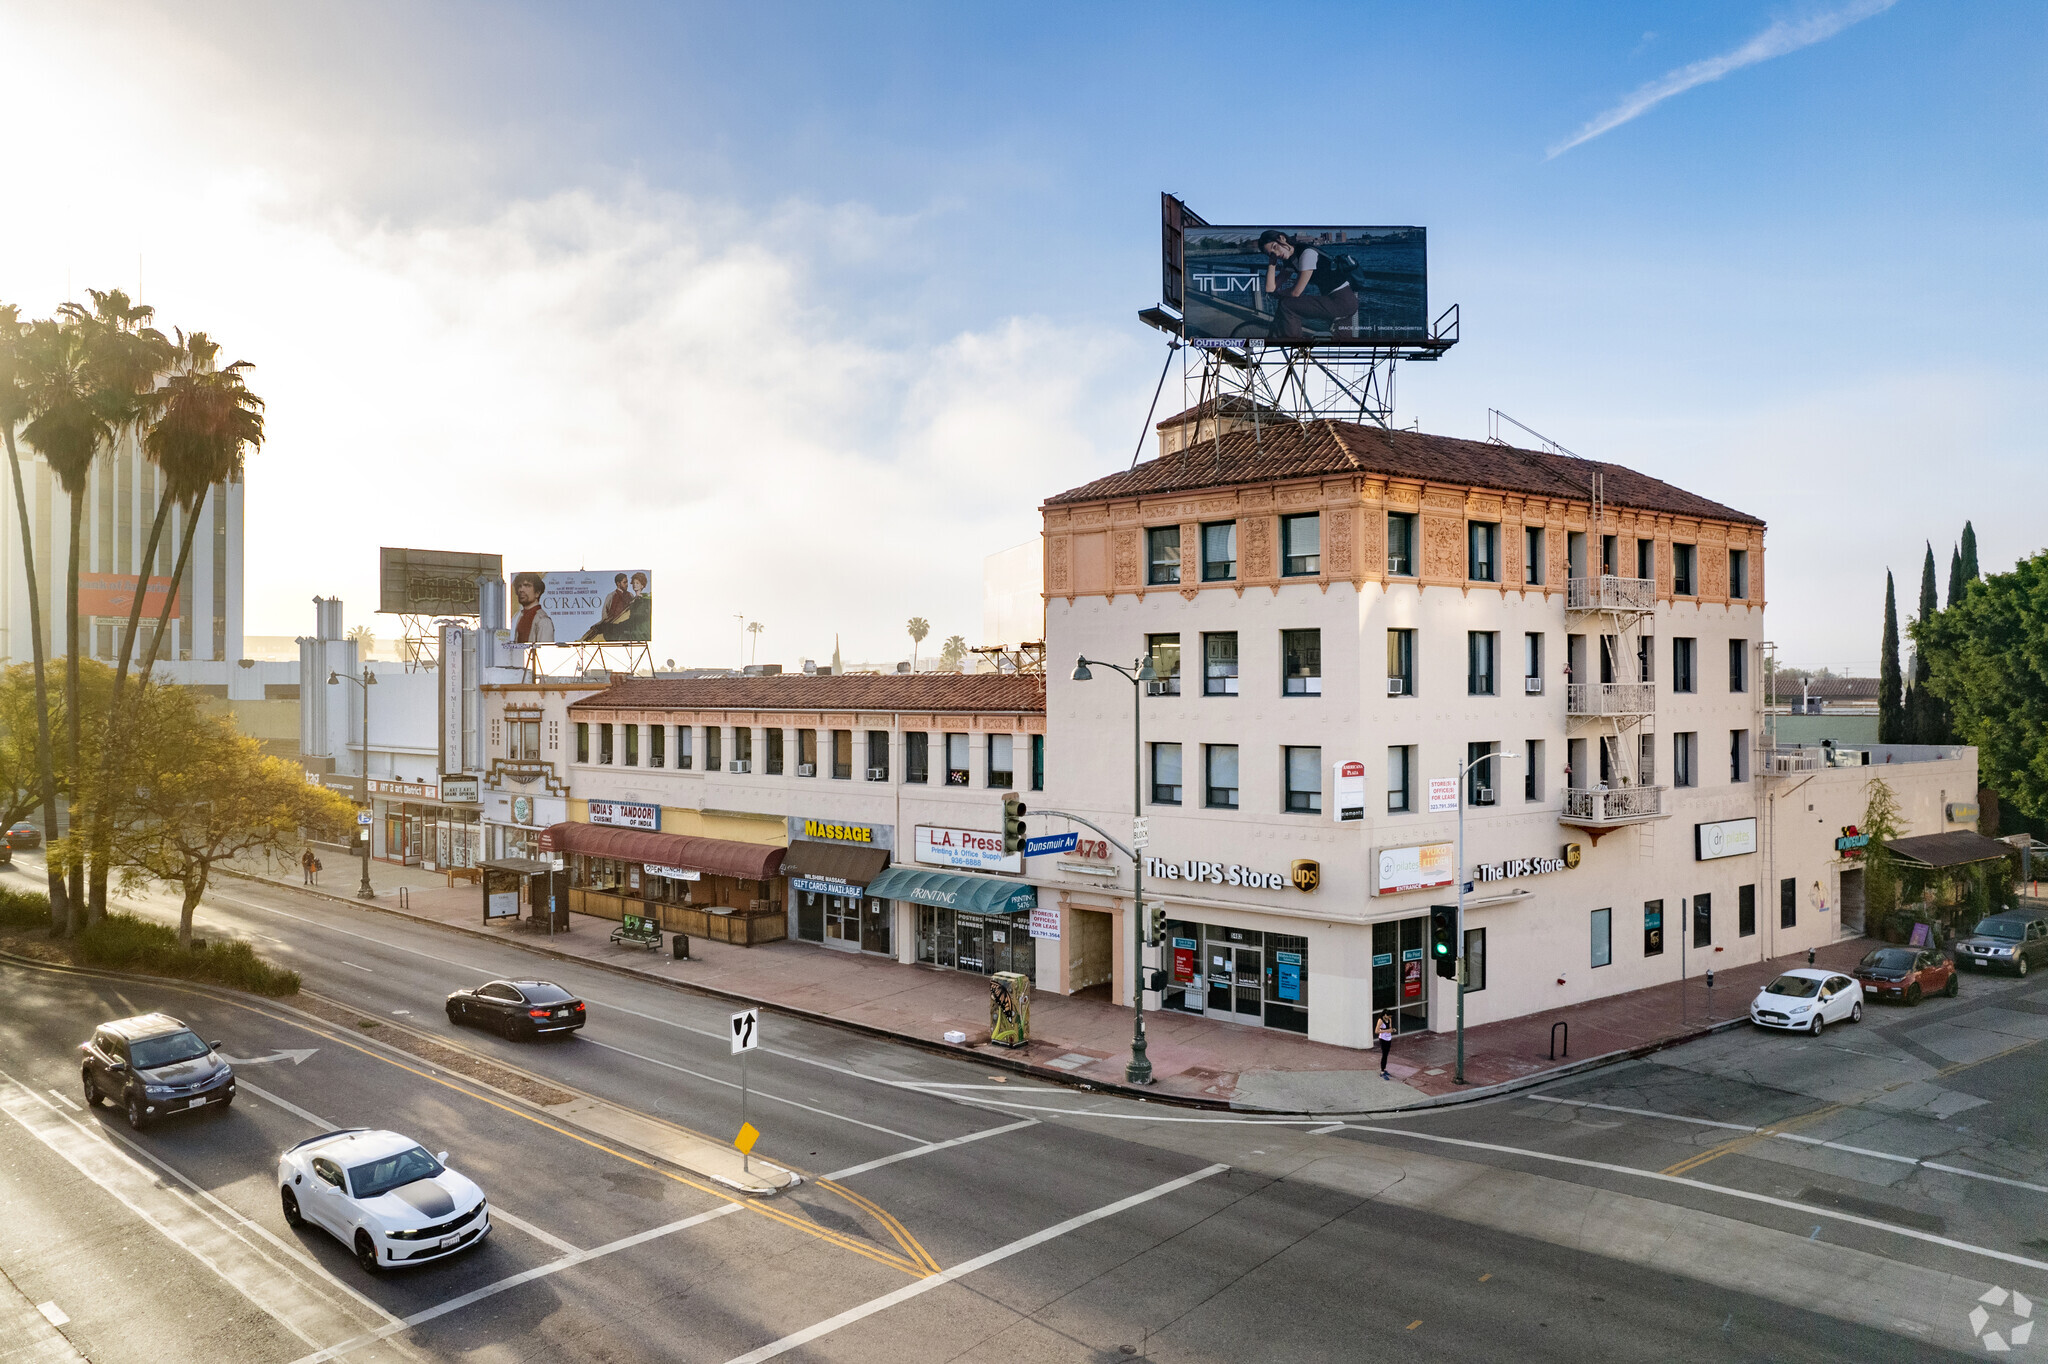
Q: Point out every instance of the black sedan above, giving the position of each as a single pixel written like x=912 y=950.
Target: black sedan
x=22 y=834
x=518 y=1008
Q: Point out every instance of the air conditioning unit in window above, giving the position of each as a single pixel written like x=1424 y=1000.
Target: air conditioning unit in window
x=1165 y=686
x=878 y=774
x=1397 y=686
x=807 y=769
x=1532 y=685
x=739 y=765
x=1483 y=796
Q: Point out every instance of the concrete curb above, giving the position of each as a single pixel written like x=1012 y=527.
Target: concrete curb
x=997 y=1059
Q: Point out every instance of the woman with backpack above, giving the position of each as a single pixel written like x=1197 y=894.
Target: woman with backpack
x=1335 y=299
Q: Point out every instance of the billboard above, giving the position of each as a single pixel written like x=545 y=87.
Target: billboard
x=1305 y=286
x=432 y=582
x=113 y=594
x=605 y=606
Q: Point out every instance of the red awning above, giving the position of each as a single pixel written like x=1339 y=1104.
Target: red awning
x=712 y=856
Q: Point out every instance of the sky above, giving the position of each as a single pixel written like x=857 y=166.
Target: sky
x=807 y=307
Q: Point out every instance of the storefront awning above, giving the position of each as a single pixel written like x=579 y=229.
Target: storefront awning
x=523 y=866
x=954 y=890
x=712 y=856
x=833 y=864
x=1942 y=852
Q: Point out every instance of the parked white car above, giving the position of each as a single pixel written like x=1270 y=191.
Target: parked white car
x=1807 y=999
x=382 y=1196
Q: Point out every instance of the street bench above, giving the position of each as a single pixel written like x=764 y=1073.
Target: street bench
x=639 y=932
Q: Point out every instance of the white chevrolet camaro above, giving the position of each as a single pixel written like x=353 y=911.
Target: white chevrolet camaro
x=1807 y=999
x=382 y=1196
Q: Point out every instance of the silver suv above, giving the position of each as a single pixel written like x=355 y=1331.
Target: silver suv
x=2005 y=942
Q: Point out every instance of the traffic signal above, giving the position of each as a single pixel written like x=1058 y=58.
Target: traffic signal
x=1158 y=924
x=1013 y=823
x=1443 y=939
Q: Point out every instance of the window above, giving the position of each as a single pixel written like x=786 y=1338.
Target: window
x=1575 y=553
x=1220 y=776
x=842 y=754
x=917 y=756
x=771 y=762
x=1401 y=544
x=1475 y=960
x=1684 y=559
x=1684 y=752
x=1738 y=665
x=743 y=745
x=1684 y=653
x=1532 y=769
x=1301 y=660
x=1646 y=559
x=1219 y=664
x=1653 y=928
x=1482 y=551
x=1603 y=937
x=1301 y=544
x=1304 y=781
x=1166 y=774
x=1479 y=651
x=683 y=748
x=1745 y=911
x=1219 y=551
x=714 y=745
x=1738 y=755
x=632 y=737
x=657 y=745
x=582 y=741
x=878 y=755
x=1610 y=555
x=1646 y=659
x=1532 y=661
x=1702 y=921
x=604 y=743
x=1401 y=662
x=1532 y=555
x=1038 y=762
x=1646 y=760
x=956 y=760
x=1162 y=555
x=1164 y=651
x=807 y=753
x=1738 y=574
x=1400 y=779
x=525 y=739
x=1002 y=752
x=1788 y=902
x=1479 y=781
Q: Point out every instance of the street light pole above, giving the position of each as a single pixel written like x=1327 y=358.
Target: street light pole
x=1459 y=872
x=368 y=680
x=1139 y=1070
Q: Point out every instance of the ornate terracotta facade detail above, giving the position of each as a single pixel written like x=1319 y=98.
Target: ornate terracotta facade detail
x=1058 y=557
x=1256 y=534
x=1443 y=549
x=1373 y=542
x=1338 y=560
x=1190 y=551
x=1125 y=570
x=1713 y=572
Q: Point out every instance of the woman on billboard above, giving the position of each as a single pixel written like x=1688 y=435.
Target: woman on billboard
x=1335 y=299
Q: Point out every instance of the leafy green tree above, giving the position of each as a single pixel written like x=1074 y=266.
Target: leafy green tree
x=1880 y=868
x=1988 y=656
x=1890 y=703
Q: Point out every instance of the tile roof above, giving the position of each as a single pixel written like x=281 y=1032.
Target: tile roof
x=1013 y=693
x=1323 y=447
x=1836 y=688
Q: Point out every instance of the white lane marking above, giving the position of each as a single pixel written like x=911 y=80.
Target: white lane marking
x=762 y=1093
x=52 y=1313
x=927 y=1149
x=498 y=1214
x=65 y=1099
x=966 y=1267
x=492 y=1289
x=1706 y=1187
x=298 y=1056
x=1802 y=1140
x=287 y=1105
x=345 y=962
x=270 y=1286
x=1325 y=1131
x=1014 y=1089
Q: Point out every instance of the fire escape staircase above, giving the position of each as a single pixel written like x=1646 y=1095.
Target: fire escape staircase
x=1618 y=789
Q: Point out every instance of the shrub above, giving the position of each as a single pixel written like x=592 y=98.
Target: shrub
x=23 y=908
x=122 y=942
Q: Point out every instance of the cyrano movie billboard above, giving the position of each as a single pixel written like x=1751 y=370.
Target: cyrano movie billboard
x=1330 y=286
x=608 y=606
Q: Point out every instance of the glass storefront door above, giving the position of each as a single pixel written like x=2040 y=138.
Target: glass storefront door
x=968 y=932
x=1237 y=975
x=875 y=928
x=984 y=944
x=842 y=921
x=1400 y=975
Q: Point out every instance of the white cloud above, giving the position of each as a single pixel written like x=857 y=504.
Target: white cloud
x=1775 y=41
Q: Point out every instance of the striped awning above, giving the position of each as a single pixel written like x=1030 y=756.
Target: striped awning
x=960 y=891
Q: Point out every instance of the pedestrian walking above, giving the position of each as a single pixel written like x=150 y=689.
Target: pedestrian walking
x=307 y=862
x=316 y=871
x=1384 y=1030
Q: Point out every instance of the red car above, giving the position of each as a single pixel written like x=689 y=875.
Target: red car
x=1906 y=974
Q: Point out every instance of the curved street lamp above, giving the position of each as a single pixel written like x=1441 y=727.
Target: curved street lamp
x=366 y=681
x=1139 y=1070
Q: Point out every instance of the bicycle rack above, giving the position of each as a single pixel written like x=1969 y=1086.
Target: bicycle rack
x=405 y=897
x=1567 y=1038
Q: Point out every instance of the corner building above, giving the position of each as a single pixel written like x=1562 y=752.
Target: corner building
x=1341 y=618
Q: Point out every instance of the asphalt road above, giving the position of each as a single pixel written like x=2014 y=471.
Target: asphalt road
x=1068 y=1226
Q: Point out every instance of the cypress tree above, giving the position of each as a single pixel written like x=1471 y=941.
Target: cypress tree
x=1969 y=551
x=1891 y=719
x=1916 y=724
x=1955 y=573
x=1929 y=603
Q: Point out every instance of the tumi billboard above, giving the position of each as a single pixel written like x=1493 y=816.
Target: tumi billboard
x=1305 y=286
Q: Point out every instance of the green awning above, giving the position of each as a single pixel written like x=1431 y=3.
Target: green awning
x=954 y=890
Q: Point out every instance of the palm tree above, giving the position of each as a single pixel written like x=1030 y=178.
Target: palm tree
x=754 y=628
x=955 y=650
x=15 y=409
x=365 y=639
x=919 y=628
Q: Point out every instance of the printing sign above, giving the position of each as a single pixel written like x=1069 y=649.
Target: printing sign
x=974 y=849
x=1422 y=868
x=625 y=814
x=1723 y=838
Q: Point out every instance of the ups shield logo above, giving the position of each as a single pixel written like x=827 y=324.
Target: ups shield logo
x=1571 y=855
x=1306 y=875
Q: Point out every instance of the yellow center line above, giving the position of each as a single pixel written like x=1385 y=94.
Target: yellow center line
x=1747 y=1140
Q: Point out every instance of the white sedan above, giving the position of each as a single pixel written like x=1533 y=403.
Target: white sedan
x=382 y=1196
x=1807 y=999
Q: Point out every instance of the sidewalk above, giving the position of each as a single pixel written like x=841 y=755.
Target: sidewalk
x=1087 y=1040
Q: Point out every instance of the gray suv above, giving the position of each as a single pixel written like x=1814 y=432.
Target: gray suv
x=153 y=1066
x=2005 y=942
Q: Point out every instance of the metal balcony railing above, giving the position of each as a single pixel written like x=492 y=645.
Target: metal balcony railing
x=1610 y=698
x=1609 y=593
x=1613 y=805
